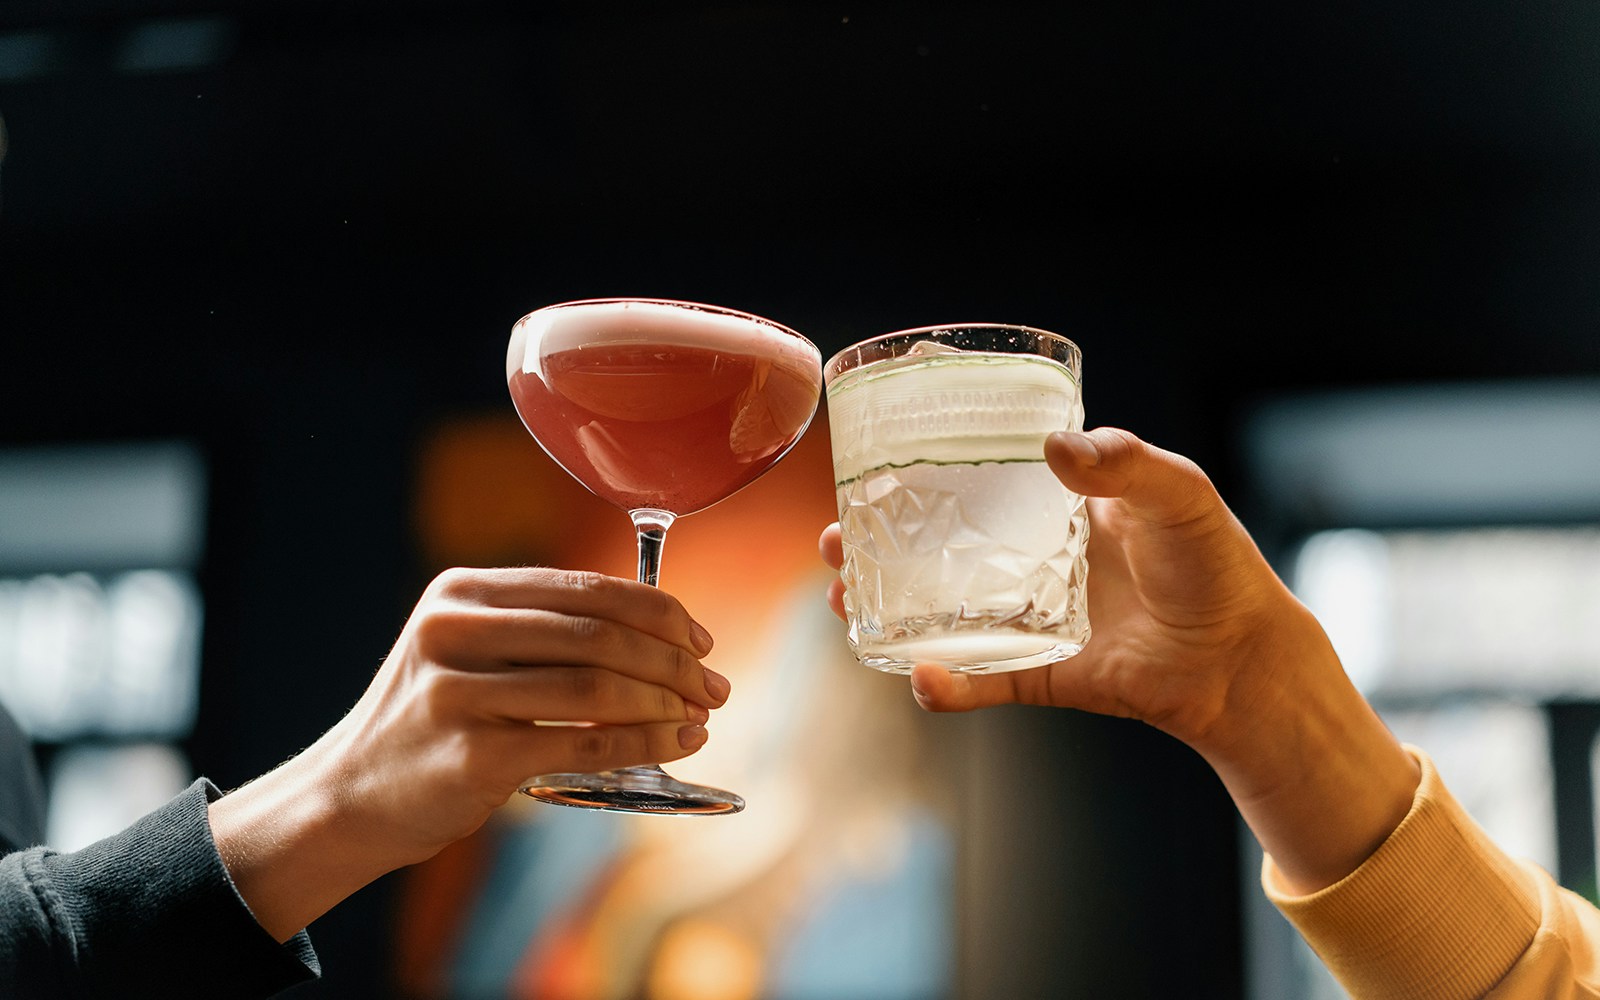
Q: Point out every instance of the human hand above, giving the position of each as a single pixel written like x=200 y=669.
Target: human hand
x=1180 y=599
x=1196 y=635
x=446 y=732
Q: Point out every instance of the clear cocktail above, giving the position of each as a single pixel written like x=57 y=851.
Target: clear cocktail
x=960 y=546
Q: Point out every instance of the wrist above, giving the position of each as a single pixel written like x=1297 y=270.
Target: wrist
x=289 y=848
x=1313 y=770
x=1286 y=692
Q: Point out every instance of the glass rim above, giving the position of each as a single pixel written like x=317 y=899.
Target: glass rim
x=829 y=371
x=684 y=304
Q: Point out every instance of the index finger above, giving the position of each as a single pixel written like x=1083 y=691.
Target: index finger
x=582 y=593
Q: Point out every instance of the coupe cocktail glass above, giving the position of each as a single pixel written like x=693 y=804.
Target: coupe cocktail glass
x=661 y=408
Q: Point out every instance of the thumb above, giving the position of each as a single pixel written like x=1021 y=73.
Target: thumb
x=1110 y=462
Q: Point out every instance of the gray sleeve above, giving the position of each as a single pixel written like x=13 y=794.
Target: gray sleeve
x=21 y=797
x=147 y=912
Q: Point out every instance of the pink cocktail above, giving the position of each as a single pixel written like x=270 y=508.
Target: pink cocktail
x=662 y=409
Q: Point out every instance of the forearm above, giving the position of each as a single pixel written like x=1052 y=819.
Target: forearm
x=149 y=911
x=291 y=847
x=1314 y=772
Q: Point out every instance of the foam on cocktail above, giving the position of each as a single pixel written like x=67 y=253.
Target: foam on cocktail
x=938 y=404
x=677 y=324
x=660 y=405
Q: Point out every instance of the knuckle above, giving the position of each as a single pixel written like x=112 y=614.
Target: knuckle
x=441 y=630
x=457 y=581
x=596 y=745
x=587 y=581
x=669 y=705
x=686 y=671
x=599 y=634
x=615 y=591
x=667 y=608
x=439 y=692
x=587 y=686
x=1116 y=444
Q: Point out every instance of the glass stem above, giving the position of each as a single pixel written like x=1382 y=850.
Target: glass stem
x=652 y=527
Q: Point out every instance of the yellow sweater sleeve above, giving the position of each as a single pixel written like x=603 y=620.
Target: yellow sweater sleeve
x=1440 y=913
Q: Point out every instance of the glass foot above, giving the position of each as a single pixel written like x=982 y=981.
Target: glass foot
x=632 y=790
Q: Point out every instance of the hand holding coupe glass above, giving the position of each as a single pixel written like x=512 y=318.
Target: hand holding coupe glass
x=959 y=546
x=661 y=408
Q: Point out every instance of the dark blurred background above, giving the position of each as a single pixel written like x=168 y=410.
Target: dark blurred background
x=297 y=234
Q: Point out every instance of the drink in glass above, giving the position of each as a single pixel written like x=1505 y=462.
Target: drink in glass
x=961 y=548
x=661 y=408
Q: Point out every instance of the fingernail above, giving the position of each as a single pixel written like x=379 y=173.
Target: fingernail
x=700 y=637
x=918 y=694
x=717 y=686
x=698 y=712
x=1081 y=445
x=693 y=737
